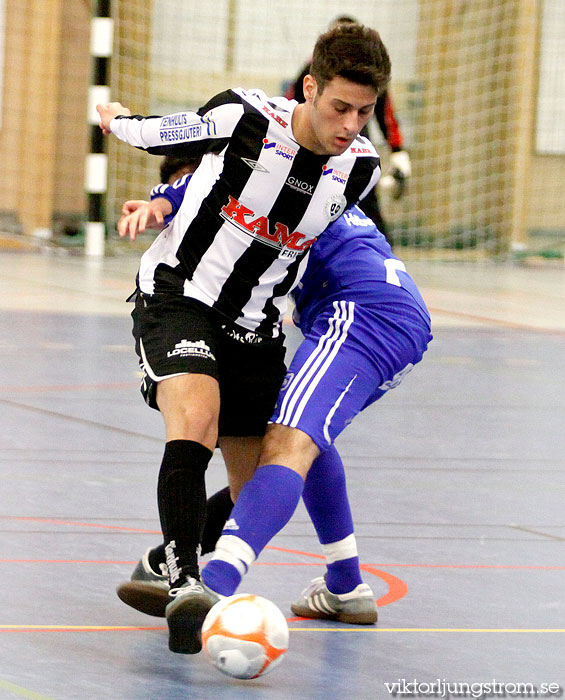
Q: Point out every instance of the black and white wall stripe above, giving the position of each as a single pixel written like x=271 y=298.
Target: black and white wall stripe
x=96 y=167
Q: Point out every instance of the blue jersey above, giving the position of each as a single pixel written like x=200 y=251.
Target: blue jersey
x=364 y=321
x=353 y=261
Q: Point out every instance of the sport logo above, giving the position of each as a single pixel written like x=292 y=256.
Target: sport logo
x=335 y=206
x=255 y=165
x=210 y=124
x=249 y=337
x=231 y=524
x=276 y=117
x=258 y=226
x=300 y=185
x=337 y=175
x=186 y=348
x=286 y=382
x=280 y=149
x=172 y=560
x=398 y=377
x=176 y=128
x=356 y=220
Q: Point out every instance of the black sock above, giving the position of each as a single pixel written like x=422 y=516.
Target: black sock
x=218 y=509
x=181 y=494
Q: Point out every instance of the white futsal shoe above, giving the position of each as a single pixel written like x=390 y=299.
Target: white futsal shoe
x=357 y=607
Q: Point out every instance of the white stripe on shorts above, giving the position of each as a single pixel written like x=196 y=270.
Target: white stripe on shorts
x=146 y=367
x=312 y=371
x=332 y=411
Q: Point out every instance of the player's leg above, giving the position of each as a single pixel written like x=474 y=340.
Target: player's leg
x=249 y=392
x=241 y=455
x=382 y=346
x=250 y=374
x=249 y=384
x=176 y=342
x=340 y=594
x=190 y=408
x=148 y=588
x=326 y=500
x=316 y=386
x=266 y=503
x=331 y=378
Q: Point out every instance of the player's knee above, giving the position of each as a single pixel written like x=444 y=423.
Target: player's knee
x=289 y=447
x=196 y=418
x=190 y=405
x=186 y=419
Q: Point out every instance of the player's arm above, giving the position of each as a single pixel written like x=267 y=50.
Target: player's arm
x=184 y=133
x=400 y=165
x=139 y=215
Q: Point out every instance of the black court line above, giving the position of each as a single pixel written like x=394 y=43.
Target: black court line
x=522 y=528
x=80 y=421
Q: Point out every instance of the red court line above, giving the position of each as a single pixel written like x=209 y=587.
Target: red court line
x=65 y=561
x=295 y=551
x=517 y=567
x=54 y=521
x=397 y=589
x=475 y=566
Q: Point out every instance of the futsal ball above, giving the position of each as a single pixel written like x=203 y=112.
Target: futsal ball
x=245 y=636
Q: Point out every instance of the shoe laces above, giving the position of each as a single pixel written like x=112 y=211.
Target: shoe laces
x=192 y=585
x=314 y=587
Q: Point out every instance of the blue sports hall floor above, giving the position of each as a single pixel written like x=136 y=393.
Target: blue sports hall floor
x=457 y=483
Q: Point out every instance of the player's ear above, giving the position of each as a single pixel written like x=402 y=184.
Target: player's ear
x=310 y=88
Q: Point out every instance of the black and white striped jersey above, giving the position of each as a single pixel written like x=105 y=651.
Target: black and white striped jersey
x=253 y=207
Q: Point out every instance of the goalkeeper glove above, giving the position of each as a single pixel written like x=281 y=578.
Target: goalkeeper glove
x=400 y=170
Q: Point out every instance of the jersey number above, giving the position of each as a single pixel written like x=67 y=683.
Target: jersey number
x=392 y=267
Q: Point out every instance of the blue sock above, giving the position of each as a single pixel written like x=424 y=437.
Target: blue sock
x=325 y=498
x=264 y=506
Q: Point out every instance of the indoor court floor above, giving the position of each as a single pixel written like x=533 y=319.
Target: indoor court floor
x=456 y=478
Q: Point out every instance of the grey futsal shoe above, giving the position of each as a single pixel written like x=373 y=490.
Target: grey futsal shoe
x=186 y=611
x=357 y=607
x=146 y=591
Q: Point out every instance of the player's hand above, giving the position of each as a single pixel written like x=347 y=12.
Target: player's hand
x=108 y=112
x=400 y=165
x=139 y=215
x=132 y=205
x=395 y=181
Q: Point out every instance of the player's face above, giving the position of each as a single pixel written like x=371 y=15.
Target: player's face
x=338 y=114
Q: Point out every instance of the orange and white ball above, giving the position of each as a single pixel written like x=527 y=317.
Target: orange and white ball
x=245 y=636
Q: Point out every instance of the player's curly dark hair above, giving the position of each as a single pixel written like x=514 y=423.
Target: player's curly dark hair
x=354 y=52
x=171 y=165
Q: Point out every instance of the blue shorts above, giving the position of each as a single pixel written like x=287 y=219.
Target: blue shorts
x=352 y=355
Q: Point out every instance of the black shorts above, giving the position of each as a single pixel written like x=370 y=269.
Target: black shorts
x=178 y=335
